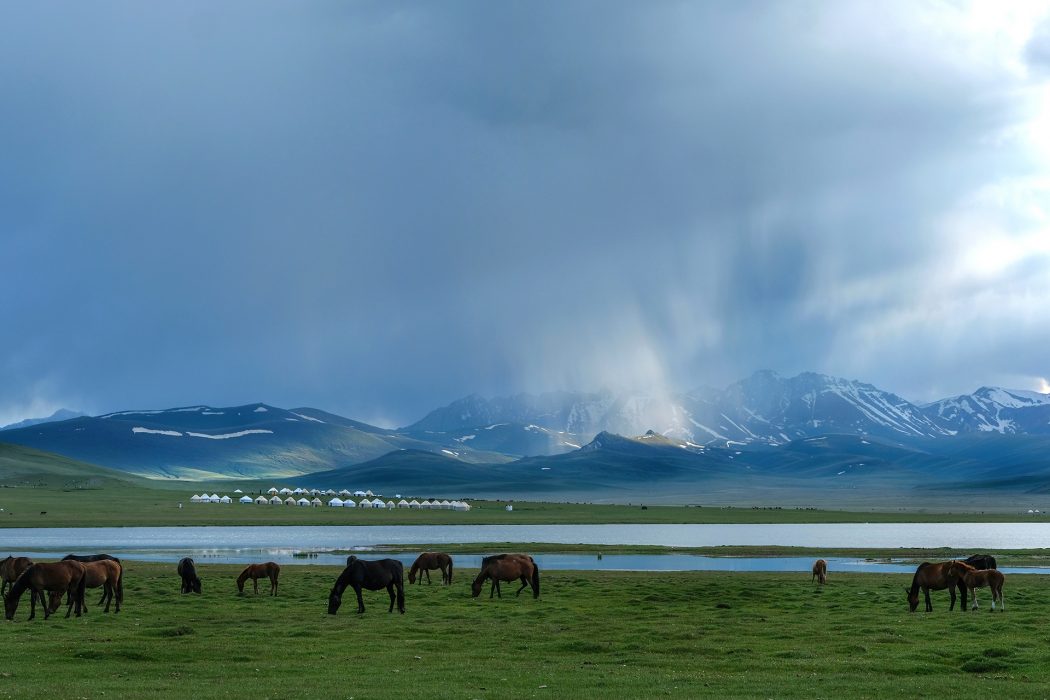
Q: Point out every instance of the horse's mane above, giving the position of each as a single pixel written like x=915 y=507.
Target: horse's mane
x=915 y=578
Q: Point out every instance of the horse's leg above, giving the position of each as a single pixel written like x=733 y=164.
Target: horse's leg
x=390 y=590
x=929 y=605
x=524 y=585
x=427 y=572
x=951 y=592
x=360 y=600
x=973 y=602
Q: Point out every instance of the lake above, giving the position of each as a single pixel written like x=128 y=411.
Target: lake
x=280 y=544
x=960 y=536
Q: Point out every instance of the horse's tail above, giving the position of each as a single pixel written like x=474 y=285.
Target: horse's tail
x=81 y=593
x=535 y=580
x=120 y=582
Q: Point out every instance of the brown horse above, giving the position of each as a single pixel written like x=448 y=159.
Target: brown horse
x=820 y=572
x=11 y=568
x=935 y=577
x=61 y=576
x=981 y=578
x=507 y=567
x=105 y=574
x=270 y=570
x=426 y=562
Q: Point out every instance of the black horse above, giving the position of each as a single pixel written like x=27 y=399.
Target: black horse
x=981 y=561
x=190 y=581
x=373 y=575
x=88 y=558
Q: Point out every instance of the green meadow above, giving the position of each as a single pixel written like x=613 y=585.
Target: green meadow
x=131 y=505
x=592 y=635
x=38 y=489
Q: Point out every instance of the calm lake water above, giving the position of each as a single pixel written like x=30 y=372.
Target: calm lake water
x=963 y=536
x=246 y=544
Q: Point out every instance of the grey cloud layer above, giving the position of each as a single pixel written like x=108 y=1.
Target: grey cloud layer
x=375 y=207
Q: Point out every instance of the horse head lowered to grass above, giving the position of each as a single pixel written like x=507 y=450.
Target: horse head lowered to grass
x=371 y=575
x=507 y=567
x=935 y=577
x=62 y=576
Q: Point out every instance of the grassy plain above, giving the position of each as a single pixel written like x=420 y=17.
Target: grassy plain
x=595 y=634
x=119 y=505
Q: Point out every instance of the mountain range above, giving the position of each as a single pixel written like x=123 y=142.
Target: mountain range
x=766 y=431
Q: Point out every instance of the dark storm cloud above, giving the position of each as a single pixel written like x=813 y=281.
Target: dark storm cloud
x=375 y=208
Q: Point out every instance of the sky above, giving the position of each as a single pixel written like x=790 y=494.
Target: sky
x=376 y=208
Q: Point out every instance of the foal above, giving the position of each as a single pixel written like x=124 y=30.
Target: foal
x=993 y=579
x=820 y=571
x=270 y=570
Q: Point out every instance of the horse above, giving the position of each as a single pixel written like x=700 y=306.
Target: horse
x=935 y=577
x=507 y=567
x=118 y=586
x=270 y=570
x=62 y=576
x=981 y=561
x=427 y=561
x=10 y=569
x=191 y=583
x=104 y=573
x=820 y=572
x=373 y=575
x=979 y=578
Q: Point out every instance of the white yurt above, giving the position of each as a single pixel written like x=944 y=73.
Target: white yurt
x=262 y=500
x=414 y=504
x=285 y=491
x=369 y=493
x=272 y=491
x=315 y=492
x=365 y=503
x=195 y=498
x=344 y=492
x=214 y=498
x=238 y=491
x=445 y=505
x=316 y=502
x=276 y=501
x=402 y=503
x=225 y=499
x=426 y=505
x=290 y=501
x=461 y=506
x=336 y=502
x=303 y=502
x=391 y=504
x=297 y=492
x=360 y=493
x=349 y=503
x=329 y=492
x=378 y=503
x=248 y=499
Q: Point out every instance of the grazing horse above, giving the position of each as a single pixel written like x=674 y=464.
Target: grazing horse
x=981 y=561
x=935 y=577
x=428 y=561
x=373 y=575
x=11 y=568
x=105 y=574
x=118 y=586
x=980 y=578
x=62 y=576
x=270 y=570
x=820 y=572
x=191 y=583
x=507 y=567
